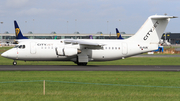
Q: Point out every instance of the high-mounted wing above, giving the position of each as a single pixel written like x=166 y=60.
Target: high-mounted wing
x=84 y=43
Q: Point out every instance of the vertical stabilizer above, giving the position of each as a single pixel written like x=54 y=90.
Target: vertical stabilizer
x=118 y=34
x=18 y=32
x=152 y=30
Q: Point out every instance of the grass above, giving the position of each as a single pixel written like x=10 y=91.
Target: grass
x=3 y=49
x=30 y=91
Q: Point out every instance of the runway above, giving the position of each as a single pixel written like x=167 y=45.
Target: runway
x=88 y=68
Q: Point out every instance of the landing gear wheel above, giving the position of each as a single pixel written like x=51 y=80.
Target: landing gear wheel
x=81 y=64
x=14 y=63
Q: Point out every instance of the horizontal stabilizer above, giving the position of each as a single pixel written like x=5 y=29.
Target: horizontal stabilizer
x=155 y=17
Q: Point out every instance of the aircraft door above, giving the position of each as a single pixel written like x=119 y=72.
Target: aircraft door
x=33 y=48
x=124 y=49
x=17 y=52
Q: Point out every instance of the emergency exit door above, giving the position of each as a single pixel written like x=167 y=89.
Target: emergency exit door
x=124 y=49
x=33 y=48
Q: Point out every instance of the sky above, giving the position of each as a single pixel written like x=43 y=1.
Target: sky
x=85 y=16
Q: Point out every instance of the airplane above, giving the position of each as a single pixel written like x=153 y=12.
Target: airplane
x=118 y=34
x=82 y=51
x=90 y=37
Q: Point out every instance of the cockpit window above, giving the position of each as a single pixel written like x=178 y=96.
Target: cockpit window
x=20 y=46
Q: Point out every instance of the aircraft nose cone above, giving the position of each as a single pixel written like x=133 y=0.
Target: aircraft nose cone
x=5 y=54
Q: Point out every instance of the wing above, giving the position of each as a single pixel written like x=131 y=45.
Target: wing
x=85 y=43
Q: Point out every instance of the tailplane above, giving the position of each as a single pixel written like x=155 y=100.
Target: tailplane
x=152 y=30
x=118 y=34
x=18 y=32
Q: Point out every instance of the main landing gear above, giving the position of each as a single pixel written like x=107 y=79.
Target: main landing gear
x=81 y=64
x=81 y=60
x=14 y=63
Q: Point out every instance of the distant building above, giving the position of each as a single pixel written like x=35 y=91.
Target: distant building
x=173 y=38
x=9 y=38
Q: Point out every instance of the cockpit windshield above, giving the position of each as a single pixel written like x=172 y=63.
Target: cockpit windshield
x=20 y=46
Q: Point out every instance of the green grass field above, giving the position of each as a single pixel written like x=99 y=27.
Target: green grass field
x=90 y=86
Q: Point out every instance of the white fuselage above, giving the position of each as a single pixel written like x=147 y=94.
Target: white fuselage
x=50 y=50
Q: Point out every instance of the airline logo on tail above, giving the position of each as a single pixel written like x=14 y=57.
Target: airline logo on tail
x=18 y=32
x=151 y=30
x=118 y=34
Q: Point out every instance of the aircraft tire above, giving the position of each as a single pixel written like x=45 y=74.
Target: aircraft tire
x=81 y=64
x=14 y=63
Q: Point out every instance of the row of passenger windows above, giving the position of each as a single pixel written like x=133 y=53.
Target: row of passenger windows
x=116 y=48
x=20 y=46
x=23 y=46
x=46 y=47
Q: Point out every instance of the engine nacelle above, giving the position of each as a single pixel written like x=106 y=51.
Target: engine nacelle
x=67 y=51
x=59 y=51
x=70 y=51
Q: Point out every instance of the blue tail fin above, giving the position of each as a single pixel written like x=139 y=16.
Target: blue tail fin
x=90 y=37
x=118 y=34
x=18 y=32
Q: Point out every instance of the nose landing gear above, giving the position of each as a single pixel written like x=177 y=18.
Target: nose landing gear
x=14 y=63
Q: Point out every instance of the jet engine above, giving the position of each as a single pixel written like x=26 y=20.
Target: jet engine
x=67 y=51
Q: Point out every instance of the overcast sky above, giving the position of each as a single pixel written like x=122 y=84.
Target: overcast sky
x=85 y=16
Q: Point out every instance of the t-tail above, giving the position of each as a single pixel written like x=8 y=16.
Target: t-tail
x=118 y=34
x=18 y=32
x=152 y=30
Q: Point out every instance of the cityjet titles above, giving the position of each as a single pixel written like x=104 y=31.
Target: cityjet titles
x=151 y=30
